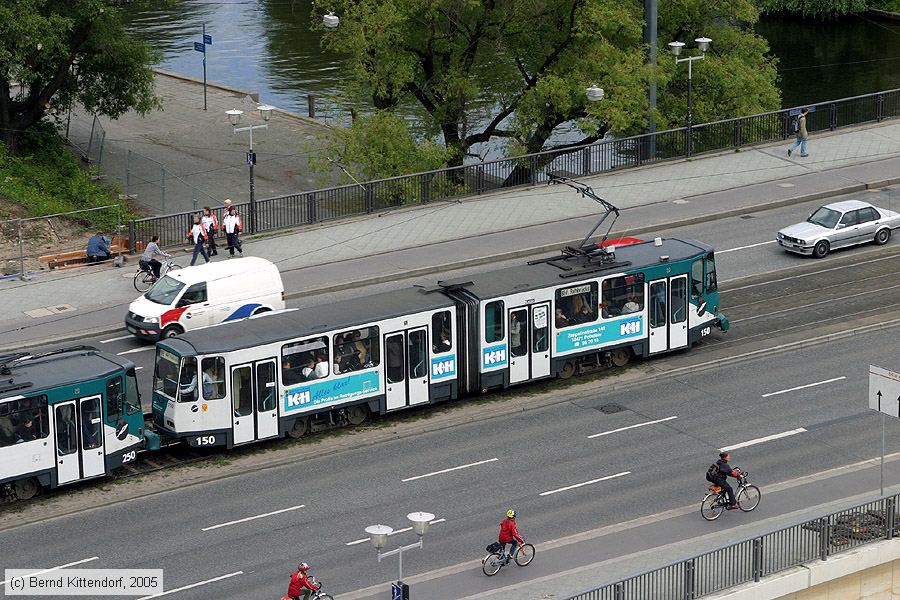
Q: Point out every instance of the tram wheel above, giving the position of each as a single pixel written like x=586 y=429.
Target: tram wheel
x=301 y=426
x=26 y=489
x=358 y=414
x=568 y=370
x=620 y=357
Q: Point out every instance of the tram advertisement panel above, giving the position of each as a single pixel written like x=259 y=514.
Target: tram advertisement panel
x=589 y=336
x=327 y=392
x=443 y=367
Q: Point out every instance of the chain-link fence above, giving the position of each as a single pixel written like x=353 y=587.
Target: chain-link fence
x=85 y=134
x=150 y=183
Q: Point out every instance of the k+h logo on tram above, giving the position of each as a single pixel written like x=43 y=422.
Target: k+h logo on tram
x=631 y=327
x=443 y=367
x=295 y=399
x=494 y=356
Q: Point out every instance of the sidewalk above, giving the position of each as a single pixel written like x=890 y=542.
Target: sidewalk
x=448 y=235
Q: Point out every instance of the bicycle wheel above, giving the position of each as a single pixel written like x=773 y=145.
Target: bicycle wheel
x=748 y=497
x=326 y=597
x=711 y=508
x=524 y=554
x=174 y=267
x=142 y=281
x=491 y=564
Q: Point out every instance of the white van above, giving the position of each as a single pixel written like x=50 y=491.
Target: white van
x=206 y=295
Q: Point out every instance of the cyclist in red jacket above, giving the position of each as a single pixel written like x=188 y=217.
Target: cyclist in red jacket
x=299 y=581
x=509 y=534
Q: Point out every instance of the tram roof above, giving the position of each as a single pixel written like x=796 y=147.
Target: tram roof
x=540 y=275
x=57 y=369
x=276 y=327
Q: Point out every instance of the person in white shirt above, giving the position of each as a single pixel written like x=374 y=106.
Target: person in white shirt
x=211 y=224
x=631 y=306
x=232 y=226
x=197 y=234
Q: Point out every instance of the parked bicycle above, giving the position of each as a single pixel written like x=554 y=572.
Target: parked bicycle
x=747 y=496
x=495 y=560
x=144 y=278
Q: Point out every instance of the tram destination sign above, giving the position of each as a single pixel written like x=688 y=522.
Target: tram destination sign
x=884 y=391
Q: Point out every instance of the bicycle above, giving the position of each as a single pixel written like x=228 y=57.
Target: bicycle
x=495 y=560
x=316 y=595
x=144 y=279
x=747 y=496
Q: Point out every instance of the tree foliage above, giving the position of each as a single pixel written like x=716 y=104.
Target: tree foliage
x=815 y=9
x=512 y=72
x=56 y=52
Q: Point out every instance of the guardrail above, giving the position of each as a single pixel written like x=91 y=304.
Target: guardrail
x=592 y=159
x=758 y=557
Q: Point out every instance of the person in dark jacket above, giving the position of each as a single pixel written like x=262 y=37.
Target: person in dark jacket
x=98 y=248
x=722 y=478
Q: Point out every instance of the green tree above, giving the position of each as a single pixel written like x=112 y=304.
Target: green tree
x=494 y=70
x=57 y=52
x=815 y=9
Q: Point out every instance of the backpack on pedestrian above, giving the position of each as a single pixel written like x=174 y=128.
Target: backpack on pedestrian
x=712 y=473
x=795 y=126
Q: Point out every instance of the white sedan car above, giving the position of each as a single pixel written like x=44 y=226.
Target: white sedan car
x=838 y=225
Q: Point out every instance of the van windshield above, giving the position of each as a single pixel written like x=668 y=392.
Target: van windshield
x=164 y=291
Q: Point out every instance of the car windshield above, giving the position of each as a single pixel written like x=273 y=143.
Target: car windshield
x=164 y=291
x=825 y=217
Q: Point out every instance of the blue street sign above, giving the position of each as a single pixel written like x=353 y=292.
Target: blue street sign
x=207 y=39
x=199 y=47
x=399 y=591
x=251 y=158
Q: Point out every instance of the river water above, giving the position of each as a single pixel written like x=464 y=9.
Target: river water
x=267 y=46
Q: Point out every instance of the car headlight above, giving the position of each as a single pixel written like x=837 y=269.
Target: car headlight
x=802 y=242
x=780 y=236
x=151 y=319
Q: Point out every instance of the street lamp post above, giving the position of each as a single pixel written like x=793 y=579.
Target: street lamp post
x=703 y=45
x=234 y=116
x=378 y=535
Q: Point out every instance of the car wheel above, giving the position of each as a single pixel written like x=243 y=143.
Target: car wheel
x=821 y=249
x=882 y=236
x=171 y=331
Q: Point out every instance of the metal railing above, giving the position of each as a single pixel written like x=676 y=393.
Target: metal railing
x=758 y=557
x=592 y=159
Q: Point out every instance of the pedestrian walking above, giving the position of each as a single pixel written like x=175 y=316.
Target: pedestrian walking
x=211 y=224
x=233 y=227
x=197 y=234
x=225 y=209
x=799 y=127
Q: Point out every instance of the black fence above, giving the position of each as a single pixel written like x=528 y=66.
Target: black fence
x=473 y=179
x=758 y=557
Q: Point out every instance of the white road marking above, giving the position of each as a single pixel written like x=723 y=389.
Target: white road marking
x=133 y=350
x=811 y=273
x=829 y=301
x=596 y=435
x=745 y=247
x=592 y=481
x=474 y=464
x=761 y=440
x=803 y=387
x=124 y=337
x=71 y=564
x=138 y=368
x=405 y=529
x=268 y=514
x=193 y=585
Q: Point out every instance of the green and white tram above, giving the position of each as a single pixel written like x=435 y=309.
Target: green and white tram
x=65 y=416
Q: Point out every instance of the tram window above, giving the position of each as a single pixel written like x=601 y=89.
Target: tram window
x=711 y=282
x=165 y=375
x=393 y=347
x=493 y=321
x=241 y=392
x=187 y=382
x=266 y=390
x=679 y=299
x=518 y=332
x=304 y=361
x=418 y=354
x=194 y=295
x=356 y=349
x=657 y=304
x=66 y=431
x=441 y=332
x=114 y=400
x=213 y=378
x=697 y=278
x=132 y=396
x=576 y=305
x=91 y=424
x=23 y=420
x=540 y=329
x=623 y=295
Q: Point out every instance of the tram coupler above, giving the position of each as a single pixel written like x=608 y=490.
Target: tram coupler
x=723 y=322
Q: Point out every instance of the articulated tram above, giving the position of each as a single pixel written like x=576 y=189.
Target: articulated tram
x=65 y=416
x=298 y=370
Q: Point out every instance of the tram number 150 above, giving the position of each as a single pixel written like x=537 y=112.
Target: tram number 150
x=705 y=331
x=205 y=440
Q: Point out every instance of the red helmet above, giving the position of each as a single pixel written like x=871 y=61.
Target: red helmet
x=303 y=567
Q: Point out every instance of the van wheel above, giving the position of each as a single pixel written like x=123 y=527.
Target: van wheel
x=301 y=426
x=882 y=237
x=620 y=357
x=358 y=414
x=26 y=489
x=171 y=331
x=568 y=370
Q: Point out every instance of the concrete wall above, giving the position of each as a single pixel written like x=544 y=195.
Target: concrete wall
x=871 y=572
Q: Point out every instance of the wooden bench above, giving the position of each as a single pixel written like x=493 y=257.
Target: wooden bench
x=77 y=258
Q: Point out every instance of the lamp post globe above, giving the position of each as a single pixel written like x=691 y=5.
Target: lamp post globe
x=420 y=521
x=331 y=20
x=234 y=116
x=676 y=47
x=594 y=93
x=378 y=535
x=703 y=43
x=265 y=111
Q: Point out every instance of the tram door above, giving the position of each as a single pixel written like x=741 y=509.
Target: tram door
x=243 y=423
x=266 y=400
x=668 y=314
x=658 y=317
x=529 y=343
x=406 y=368
x=79 y=440
x=678 y=322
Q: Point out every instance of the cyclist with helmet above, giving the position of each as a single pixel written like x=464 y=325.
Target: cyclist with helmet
x=299 y=581
x=509 y=534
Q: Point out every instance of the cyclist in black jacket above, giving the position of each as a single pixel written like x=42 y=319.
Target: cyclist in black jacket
x=722 y=479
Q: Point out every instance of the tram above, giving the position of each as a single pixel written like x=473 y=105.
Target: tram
x=65 y=416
